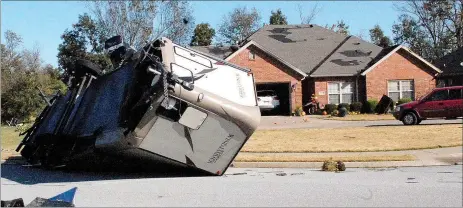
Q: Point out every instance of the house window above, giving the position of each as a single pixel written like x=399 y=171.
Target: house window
x=252 y=56
x=340 y=92
x=398 y=89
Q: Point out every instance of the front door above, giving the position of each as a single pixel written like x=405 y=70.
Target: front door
x=434 y=105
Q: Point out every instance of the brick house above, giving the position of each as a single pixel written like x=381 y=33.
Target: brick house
x=452 y=69
x=300 y=60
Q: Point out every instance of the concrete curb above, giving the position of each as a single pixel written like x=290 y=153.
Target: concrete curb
x=386 y=164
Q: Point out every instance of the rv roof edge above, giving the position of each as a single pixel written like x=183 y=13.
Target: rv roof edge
x=221 y=60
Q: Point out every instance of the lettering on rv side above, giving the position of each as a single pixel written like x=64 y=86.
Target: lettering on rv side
x=239 y=85
x=218 y=153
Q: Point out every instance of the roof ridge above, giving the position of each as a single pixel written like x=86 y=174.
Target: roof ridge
x=329 y=55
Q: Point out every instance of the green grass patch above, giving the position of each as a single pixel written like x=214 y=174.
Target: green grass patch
x=9 y=137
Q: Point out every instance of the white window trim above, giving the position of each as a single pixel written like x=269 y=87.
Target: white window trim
x=400 y=87
x=253 y=56
x=340 y=91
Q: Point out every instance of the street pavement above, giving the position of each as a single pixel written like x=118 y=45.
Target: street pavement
x=439 y=186
x=315 y=122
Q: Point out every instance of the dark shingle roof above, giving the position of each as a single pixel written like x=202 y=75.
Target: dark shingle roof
x=303 y=46
x=351 y=57
x=452 y=63
x=217 y=51
x=311 y=49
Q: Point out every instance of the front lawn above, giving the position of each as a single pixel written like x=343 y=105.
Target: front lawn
x=276 y=157
x=10 y=138
x=357 y=139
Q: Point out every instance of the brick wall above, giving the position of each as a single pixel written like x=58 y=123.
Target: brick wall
x=268 y=70
x=321 y=86
x=399 y=66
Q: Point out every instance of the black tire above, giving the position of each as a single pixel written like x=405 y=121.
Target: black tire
x=311 y=111
x=409 y=119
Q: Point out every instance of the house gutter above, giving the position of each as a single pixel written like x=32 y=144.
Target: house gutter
x=337 y=75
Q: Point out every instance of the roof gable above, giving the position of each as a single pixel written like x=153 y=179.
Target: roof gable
x=302 y=46
x=395 y=49
x=298 y=71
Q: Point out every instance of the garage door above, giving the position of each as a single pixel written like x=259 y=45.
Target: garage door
x=281 y=91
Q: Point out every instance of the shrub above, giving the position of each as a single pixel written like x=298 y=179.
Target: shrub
x=370 y=106
x=345 y=105
x=404 y=100
x=299 y=111
x=356 y=107
x=329 y=108
x=335 y=113
x=343 y=112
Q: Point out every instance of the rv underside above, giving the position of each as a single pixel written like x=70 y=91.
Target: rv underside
x=164 y=103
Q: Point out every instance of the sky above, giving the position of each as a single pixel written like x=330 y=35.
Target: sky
x=41 y=23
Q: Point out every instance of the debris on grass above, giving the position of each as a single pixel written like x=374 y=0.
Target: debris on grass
x=333 y=166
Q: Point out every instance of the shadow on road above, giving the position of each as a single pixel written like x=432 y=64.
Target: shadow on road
x=15 y=169
x=400 y=124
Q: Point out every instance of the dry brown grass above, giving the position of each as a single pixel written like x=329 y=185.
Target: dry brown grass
x=309 y=158
x=362 y=117
x=358 y=139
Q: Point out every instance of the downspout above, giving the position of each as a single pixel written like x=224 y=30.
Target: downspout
x=357 y=86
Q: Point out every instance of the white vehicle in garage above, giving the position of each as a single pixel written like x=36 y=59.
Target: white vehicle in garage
x=267 y=100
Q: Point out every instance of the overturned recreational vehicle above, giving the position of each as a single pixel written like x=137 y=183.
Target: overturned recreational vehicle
x=164 y=101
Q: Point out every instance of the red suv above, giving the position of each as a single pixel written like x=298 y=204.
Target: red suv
x=446 y=102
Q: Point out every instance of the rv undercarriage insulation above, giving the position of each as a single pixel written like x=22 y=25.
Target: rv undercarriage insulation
x=164 y=102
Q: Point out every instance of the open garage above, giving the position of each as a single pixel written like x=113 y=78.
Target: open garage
x=282 y=92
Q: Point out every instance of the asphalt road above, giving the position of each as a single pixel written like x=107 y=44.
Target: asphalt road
x=284 y=122
x=405 y=187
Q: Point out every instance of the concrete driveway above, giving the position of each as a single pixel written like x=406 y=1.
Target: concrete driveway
x=316 y=122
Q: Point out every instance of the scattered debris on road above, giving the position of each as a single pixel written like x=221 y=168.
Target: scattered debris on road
x=333 y=166
x=64 y=199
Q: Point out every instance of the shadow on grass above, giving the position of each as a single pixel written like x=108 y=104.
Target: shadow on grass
x=16 y=169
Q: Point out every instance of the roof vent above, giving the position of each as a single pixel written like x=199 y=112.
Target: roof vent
x=356 y=43
x=320 y=38
x=310 y=25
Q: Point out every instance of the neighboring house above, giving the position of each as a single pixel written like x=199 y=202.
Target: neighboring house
x=452 y=69
x=300 y=60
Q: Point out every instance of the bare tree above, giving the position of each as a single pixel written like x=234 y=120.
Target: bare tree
x=139 y=21
x=438 y=25
x=239 y=24
x=307 y=19
x=10 y=55
x=176 y=22
x=31 y=59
